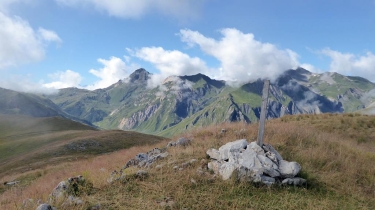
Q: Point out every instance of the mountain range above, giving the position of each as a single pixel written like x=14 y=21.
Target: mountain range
x=184 y=102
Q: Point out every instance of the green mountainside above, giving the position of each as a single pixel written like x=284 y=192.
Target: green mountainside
x=27 y=104
x=27 y=143
x=185 y=102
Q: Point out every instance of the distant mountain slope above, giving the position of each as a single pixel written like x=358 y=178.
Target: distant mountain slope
x=28 y=104
x=183 y=102
x=13 y=102
x=31 y=142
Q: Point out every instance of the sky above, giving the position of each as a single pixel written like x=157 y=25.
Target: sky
x=51 y=44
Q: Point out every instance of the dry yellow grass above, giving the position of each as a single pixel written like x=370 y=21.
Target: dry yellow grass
x=336 y=152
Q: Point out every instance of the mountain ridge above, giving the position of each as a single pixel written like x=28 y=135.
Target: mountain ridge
x=185 y=102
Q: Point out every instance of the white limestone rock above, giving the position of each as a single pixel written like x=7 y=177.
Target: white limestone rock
x=226 y=170
x=232 y=146
x=214 y=154
x=272 y=152
x=249 y=175
x=289 y=169
x=268 y=180
x=214 y=166
x=254 y=146
x=249 y=159
x=269 y=167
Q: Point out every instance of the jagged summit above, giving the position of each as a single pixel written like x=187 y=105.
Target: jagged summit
x=139 y=75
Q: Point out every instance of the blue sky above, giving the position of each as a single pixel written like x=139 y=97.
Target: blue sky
x=49 y=44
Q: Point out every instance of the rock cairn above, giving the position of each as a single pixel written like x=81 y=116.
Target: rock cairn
x=252 y=163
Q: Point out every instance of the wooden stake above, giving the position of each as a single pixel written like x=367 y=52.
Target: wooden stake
x=263 y=112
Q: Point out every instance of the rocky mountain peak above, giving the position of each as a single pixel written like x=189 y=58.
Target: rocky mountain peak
x=195 y=78
x=139 y=75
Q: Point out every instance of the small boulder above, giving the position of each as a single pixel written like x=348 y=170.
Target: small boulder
x=214 y=166
x=294 y=181
x=45 y=206
x=60 y=190
x=269 y=167
x=229 y=147
x=226 y=170
x=213 y=153
x=183 y=142
x=171 y=144
x=268 y=180
x=289 y=169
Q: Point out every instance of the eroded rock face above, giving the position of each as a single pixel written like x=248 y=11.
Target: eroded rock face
x=252 y=163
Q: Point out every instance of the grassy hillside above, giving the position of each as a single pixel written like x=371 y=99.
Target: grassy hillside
x=336 y=153
x=28 y=143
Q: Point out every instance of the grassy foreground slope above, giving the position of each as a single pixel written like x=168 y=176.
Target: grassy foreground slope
x=336 y=152
x=28 y=143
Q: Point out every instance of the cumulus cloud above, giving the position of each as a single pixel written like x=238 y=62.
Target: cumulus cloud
x=351 y=64
x=171 y=62
x=25 y=84
x=114 y=70
x=138 y=8
x=19 y=43
x=49 y=36
x=242 y=57
x=64 y=79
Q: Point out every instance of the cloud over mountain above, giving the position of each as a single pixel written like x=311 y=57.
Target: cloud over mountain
x=171 y=62
x=351 y=64
x=64 y=79
x=113 y=70
x=242 y=57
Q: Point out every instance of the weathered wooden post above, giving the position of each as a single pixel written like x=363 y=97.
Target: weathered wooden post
x=263 y=112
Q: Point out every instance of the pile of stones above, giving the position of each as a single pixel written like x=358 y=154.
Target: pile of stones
x=251 y=163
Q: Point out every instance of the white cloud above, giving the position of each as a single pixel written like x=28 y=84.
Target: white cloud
x=171 y=63
x=311 y=68
x=65 y=79
x=350 y=64
x=114 y=69
x=242 y=57
x=138 y=8
x=25 y=84
x=19 y=43
x=49 y=36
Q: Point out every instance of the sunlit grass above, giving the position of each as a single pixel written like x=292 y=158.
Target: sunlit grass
x=339 y=170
